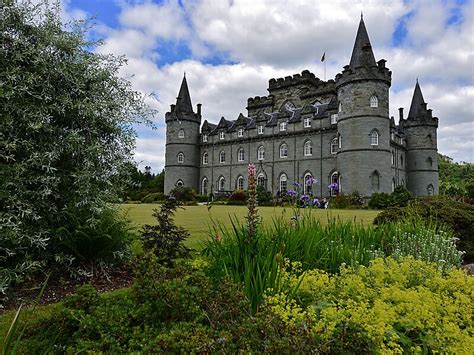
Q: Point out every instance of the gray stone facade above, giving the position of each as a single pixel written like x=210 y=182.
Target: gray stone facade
x=334 y=131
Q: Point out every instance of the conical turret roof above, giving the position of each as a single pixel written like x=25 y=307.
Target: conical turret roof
x=183 y=101
x=362 y=54
x=416 y=101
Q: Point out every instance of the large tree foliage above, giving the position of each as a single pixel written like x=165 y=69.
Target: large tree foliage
x=65 y=135
x=456 y=179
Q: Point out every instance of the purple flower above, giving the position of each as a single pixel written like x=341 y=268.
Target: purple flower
x=291 y=193
x=304 y=198
x=334 y=186
x=297 y=184
x=311 y=181
x=316 y=202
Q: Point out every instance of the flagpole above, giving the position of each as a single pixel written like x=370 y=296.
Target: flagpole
x=324 y=69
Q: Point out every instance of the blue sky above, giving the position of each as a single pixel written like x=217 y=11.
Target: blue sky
x=230 y=49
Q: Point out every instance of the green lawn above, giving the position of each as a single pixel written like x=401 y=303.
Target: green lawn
x=198 y=219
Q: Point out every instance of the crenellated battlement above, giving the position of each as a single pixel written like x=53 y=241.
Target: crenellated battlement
x=258 y=101
x=306 y=77
x=378 y=72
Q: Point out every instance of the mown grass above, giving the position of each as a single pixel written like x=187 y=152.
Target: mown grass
x=198 y=219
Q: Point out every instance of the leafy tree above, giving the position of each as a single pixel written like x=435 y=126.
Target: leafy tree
x=455 y=178
x=66 y=133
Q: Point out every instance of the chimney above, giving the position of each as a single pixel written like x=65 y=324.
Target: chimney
x=400 y=113
x=199 y=109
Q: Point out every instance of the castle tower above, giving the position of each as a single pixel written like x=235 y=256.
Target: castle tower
x=182 y=142
x=364 y=158
x=422 y=157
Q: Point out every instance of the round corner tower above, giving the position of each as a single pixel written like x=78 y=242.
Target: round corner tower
x=363 y=125
x=422 y=152
x=182 y=143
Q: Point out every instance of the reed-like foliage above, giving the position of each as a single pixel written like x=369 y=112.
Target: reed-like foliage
x=257 y=262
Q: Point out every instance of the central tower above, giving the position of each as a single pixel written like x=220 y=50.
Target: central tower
x=363 y=159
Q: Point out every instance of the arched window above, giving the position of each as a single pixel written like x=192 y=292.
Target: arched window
x=181 y=134
x=204 y=186
x=283 y=151
x=393 y=185
x=334 y=184
x=261 y=181
x=401 y=160
x=261 y=153
x=374 y=137
x=283 y=183
x=334 y=145
x=241 y=154
x=205 y=158
x=374 y=101
x=375 y=181
x=340 y=107
x=430 y=190
x=221 y=183
x=179 y=183
x=308 y=183
x=180 y=158
x=308 y=149
x=239 y=184
x=393 y=158
x=222 y=157
x=429 y=161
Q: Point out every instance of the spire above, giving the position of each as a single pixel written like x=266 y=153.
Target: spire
x=183 y=101
x=362 y=55
x=416 y=102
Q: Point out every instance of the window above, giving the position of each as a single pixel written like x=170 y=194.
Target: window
x=181 y=134
x=334 y=184
x=240 y=132
x=392 y=136
x=307 y=122
x=221 y=135
x=261 y=153
x=282 y=126
x=308 y=149
x=283 y=183
x=340 y=107
x=283 y=151
x=308 y=183
x=260 y=129
x=222 y=157
x=339 y=140
x=430 y=190
x=393 y=185
x=261 y=181
x=205 y=158
x=221 y=183
x=204 y=186
x=393 y=158
x=334 y=117
x=204 y=137
x=429 y=161
x=240 y=183
x=375 y=181
x=334 y=145
x=374 y=102
x=180 y=158
x=179 y=183
x=401 y=160
x=374 y=138
x=241 y=155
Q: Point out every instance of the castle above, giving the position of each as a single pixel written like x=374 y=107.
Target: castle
x=337 y=131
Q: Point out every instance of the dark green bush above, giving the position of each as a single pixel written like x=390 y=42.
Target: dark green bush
x=459 y=216
x=354 y=200
x=203 y=198
x=264 y=197
x=401 y=196
x=183 y=194
x=166 y=239
x=380 y=200
x=153 y=197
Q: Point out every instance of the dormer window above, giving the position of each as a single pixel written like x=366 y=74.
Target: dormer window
x=374 y=101
x=282 y=126
x=240 y=133
x=204 y=137
x=307 y=122
x=222 y=135
x=260 y=129
x=334 y=118
x=181 y=134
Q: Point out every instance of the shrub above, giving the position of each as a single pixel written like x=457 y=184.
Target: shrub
x=153 y=197
x=264 y=197
x=454 y=213
x=238 y=197
x=401 y=196
x=183 y=194
x=166 y=239
x=354 y=200
x=203 y=198
x=380 y=200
